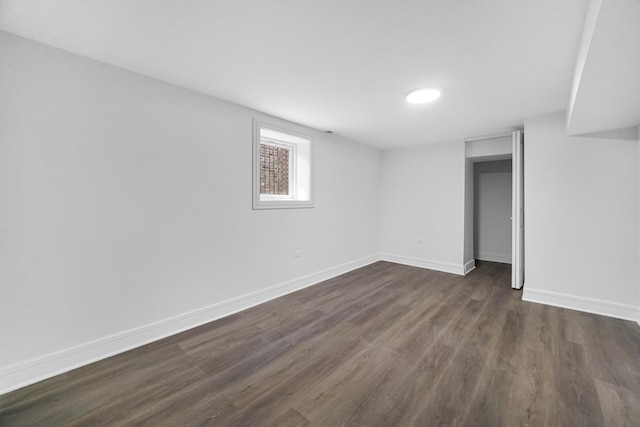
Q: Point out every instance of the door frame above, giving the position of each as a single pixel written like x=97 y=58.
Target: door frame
x=517 y=211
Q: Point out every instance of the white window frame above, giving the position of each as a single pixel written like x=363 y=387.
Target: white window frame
x=300 y=167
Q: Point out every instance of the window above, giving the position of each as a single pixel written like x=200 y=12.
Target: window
x=275 y=169
x=282 y=168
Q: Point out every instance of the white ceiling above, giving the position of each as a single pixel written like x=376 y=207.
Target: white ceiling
x=340 y=65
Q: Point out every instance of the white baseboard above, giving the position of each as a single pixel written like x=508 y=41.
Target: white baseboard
x=424 y=263
x=488 y=256
x=469 y=267
x=589 y=305
x=22 y=374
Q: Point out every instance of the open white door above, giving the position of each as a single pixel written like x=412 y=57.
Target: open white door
x=517 y=212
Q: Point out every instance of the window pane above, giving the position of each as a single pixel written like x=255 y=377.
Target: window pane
x=274 y=170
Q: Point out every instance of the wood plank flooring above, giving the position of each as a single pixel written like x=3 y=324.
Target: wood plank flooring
x=385 y=345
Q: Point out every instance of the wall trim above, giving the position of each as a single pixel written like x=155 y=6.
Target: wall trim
x=424 y=263
x=25 y=373
x=589 y=305
x=493 y=257
x=469 y=267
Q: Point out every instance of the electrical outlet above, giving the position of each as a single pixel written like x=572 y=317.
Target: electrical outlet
x=297 y=253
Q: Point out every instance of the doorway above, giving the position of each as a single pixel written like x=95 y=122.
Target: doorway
x=486 y=223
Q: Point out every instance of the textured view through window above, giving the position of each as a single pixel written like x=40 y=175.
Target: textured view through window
x=274 y=170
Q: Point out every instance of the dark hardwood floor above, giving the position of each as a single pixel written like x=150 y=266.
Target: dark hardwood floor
x=385 y=345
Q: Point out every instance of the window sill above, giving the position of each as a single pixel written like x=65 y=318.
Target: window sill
x=282 y=204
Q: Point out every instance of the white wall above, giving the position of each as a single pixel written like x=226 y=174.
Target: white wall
x=423 y=198
x=126 y=211
x=492 y=210
x=581 y=219
x=494 y=147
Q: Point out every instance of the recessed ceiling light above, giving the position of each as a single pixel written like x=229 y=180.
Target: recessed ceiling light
x=422 y=96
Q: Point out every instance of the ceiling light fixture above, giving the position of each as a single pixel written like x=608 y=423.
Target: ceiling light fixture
x=422 y=96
